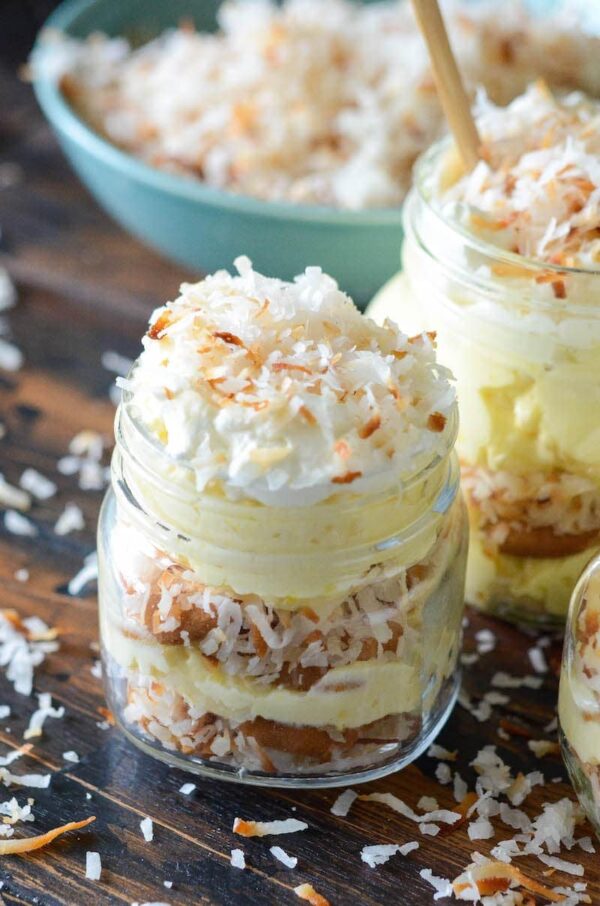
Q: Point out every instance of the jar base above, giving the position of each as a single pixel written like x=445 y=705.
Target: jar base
x=218 y=770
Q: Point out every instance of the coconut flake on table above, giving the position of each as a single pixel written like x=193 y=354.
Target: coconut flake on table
x=8 y=292
x=43 y=712
x=36 y=781
x=281 y=856
x=342 y=805
x=187 y=789
x=88 y=573
x=504 y=680
x=442 y=886
x=37 y=485
x=12 y=497
x=70 y=520
x=238 y=859
x=427 y=803
x=543 y=747
x=71 y=756
x=17 y=524
x=442 y=754
x=561 y=864
x=264 y=828
x=22 y=575
x=11 y=357
x=147 y=829
x=24 y=645
x=93 y=866
x=285 y=392
x=538 y=660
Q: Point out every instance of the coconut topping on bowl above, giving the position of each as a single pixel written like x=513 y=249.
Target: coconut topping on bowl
x=275 y=388
x=536 y=190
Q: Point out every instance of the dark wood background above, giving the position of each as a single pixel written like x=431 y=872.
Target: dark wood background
x=84 y=287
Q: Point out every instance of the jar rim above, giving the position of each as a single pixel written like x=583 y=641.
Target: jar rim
x=381 y=482
x=423 y=171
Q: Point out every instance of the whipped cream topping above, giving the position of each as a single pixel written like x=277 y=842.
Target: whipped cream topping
x=285 y=391
x=536 y=191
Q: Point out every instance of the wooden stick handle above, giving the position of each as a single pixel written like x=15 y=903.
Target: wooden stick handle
x=451 y=91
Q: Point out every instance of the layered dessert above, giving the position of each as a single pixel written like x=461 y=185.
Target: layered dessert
x=308 y=101
x=579 y=697
x=282 y=556
x=505 y=260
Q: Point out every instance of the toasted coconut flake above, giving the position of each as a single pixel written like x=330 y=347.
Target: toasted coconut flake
x=543 y=747
x=29 y=844
x=39 y=717
x=308 y=892
x=439 y=752
x=264 y=828
x=496 y=877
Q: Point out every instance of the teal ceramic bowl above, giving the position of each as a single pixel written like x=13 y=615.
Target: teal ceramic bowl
x=196 y=225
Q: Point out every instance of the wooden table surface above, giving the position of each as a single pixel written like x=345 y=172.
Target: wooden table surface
x=85 y=287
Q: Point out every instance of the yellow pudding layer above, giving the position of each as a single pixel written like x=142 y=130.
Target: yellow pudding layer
x=346 y=697
x=292 y=554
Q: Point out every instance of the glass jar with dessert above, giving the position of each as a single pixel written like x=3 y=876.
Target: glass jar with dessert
x=579 y=695
x=282 y=552
x=505 y=262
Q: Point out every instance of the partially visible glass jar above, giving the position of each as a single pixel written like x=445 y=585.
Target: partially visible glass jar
x=522 y=338
x=579 y=696
x=298 y=646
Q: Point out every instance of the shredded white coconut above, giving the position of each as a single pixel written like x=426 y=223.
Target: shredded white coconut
x=147 y=829
x=70 y=520
x=17 y=524
x=37 y=484
x=238 y=859
x=93 y=866
x=281 y=856
x=343 y=803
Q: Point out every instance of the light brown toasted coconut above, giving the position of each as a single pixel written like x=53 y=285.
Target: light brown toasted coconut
x=462 y=808
x=543 y=543
x=106 y=715
x=347 y=478
x=28 y=844
x=496 y=877
x=15 y=620
x=308 y=892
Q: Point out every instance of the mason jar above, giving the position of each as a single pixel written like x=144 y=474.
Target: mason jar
x=290 y=646
x=522 y=338
x=579 y=695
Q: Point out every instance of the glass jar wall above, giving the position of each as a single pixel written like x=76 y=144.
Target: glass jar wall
x=579 y=697
x=523 y=341
x=288 y=646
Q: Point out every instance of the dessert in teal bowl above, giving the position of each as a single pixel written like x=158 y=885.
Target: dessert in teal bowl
x=185 y=218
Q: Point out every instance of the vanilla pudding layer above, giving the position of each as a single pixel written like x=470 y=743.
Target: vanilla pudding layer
x=384 y=649
x=504 y=263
